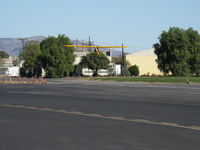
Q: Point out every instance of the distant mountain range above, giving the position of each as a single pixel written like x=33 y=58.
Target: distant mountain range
x=13 y=46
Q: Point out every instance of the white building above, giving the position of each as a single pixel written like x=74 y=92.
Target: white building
x=12 y=71
x=7 y=68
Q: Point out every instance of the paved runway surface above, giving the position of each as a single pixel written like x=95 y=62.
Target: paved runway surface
x=93 y=115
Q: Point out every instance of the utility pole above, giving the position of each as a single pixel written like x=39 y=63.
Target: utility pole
x=82 y=45
x=76 y=44
x=89 y=44
x=123 y=61
x=23 y=42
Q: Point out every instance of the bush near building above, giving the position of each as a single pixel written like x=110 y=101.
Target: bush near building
x=134 y=70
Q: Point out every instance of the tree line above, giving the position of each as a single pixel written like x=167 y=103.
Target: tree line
x=56 y=60
x=178 y=54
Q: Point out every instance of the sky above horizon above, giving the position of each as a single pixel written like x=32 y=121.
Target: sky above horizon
x=136 y=23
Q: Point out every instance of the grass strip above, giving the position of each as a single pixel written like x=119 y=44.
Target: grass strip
x=151 y=79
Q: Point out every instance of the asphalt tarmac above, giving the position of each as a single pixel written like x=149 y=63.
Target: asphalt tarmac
x=75 y=114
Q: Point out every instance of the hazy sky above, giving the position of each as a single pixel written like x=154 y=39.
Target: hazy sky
x=136 y=23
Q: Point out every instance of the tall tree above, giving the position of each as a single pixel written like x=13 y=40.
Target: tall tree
x=95 y=62
x=31 y=57
x=57 y=60
x=178 y=51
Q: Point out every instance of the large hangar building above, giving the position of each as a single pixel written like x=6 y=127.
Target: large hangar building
x=146 y=60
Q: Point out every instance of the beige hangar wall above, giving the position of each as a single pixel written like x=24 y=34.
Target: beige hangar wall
x=146 y=60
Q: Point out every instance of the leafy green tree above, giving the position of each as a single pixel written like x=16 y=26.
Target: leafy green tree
x=178 y=52
x=57 y=60
x=31 y=57
x=95 y=62
x=3 y=54
x=134 y=70
x=194 y=49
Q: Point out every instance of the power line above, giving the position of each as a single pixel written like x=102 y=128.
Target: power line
x=139 y=47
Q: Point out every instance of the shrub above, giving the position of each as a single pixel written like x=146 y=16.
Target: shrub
x=134 y=70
